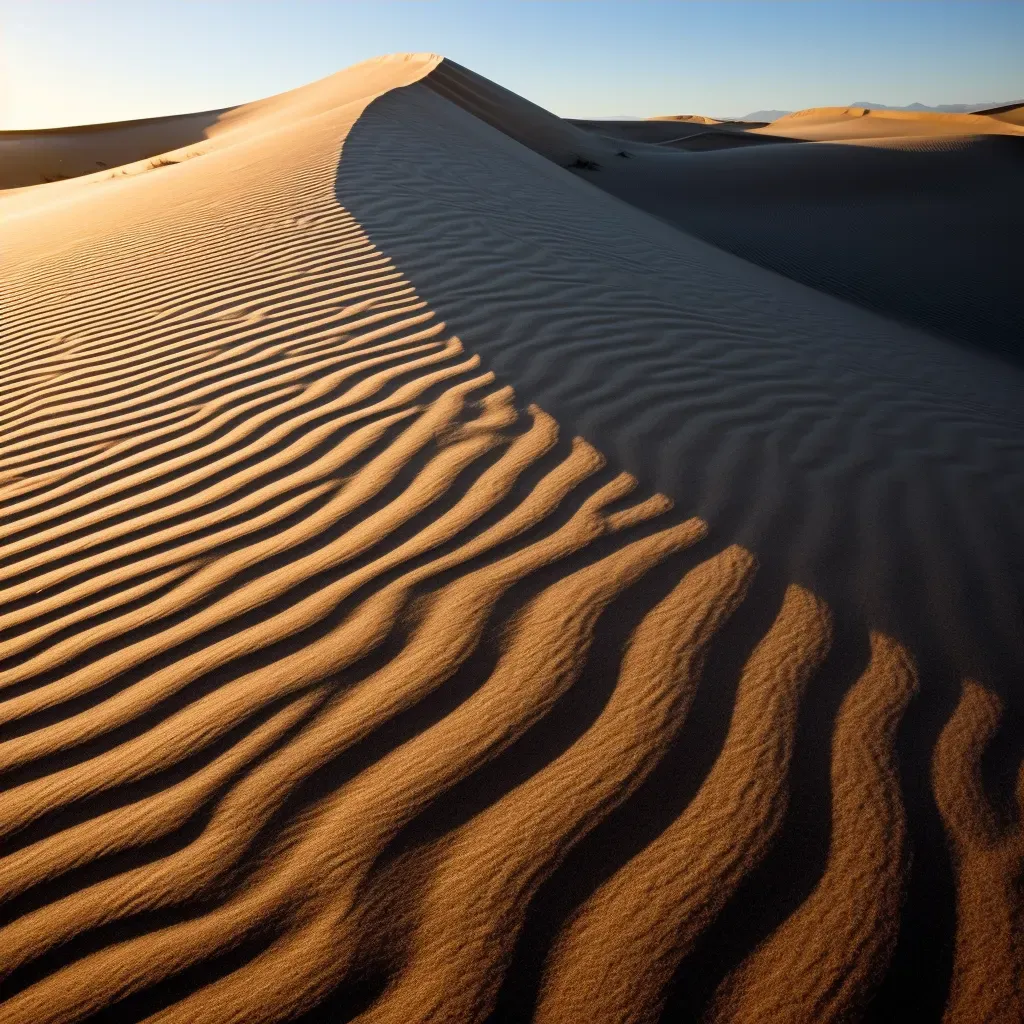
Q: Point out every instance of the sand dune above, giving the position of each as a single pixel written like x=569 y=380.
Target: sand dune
x=436 y=589
x=1011 y=115
x=832 y=124
x=878 y=214
x=887 y=223
x=28 y=158
x=816 y=124
x=695 y=118
x=533 y=126
x=689 y=132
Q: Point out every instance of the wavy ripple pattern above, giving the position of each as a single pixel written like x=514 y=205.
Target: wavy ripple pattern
x=325 y=657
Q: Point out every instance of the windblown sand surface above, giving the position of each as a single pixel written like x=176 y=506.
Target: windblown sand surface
x=436 y=589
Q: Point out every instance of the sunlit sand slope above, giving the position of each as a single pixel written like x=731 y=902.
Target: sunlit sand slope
x=831 y=124
x=433 y=589
x=126 y=148
x=1011 y=114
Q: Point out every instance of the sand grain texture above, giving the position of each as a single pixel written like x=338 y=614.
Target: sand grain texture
x=988 y=856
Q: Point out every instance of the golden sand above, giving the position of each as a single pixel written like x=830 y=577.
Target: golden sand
x=410 y=550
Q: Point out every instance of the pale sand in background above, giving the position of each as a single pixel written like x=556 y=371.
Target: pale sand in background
x=833 y=124
x=434 y=589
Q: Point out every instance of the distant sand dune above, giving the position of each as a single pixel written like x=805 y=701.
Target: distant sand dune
x=1011 y=115
x=693 y=118
x=884 y=222
x=433 y=589
x=831 y=124
x=31 y=157
x=687 y=134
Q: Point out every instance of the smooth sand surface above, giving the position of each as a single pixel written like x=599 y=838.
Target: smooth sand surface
x=832 y=124
x=689 y=132
x=1010 y=115
x=917 y=216
x=435 y=589
x=925 y=229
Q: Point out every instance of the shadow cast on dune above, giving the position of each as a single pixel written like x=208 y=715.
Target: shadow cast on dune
x=601 y=660
x=864 y=459
x=922 y=230
x=818 y=437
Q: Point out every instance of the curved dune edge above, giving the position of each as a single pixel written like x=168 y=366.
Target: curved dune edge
x=285 y=569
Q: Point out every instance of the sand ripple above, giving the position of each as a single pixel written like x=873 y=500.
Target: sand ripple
x=339 y=679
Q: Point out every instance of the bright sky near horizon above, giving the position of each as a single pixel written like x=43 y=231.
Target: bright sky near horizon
x=85 y=61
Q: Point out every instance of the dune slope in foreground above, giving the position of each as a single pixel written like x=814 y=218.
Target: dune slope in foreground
x=434 y=589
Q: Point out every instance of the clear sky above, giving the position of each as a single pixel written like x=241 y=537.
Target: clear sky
x=84 y=61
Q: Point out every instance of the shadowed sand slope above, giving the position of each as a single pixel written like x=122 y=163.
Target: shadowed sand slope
x=432 y=589
x=922 y=228
x=687 y=134
x=533 y=126
x=915 y=215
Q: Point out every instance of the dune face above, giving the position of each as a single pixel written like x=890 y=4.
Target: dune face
x=1010 y=115
x=434 y=589
x=886 y=224
x=913 y=214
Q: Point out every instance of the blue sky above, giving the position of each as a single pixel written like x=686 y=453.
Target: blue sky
x=77 y=61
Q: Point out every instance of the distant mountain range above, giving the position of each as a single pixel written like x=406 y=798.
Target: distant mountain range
x=942 y=108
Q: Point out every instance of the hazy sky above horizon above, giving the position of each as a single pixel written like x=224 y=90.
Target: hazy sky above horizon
x=85 y=61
